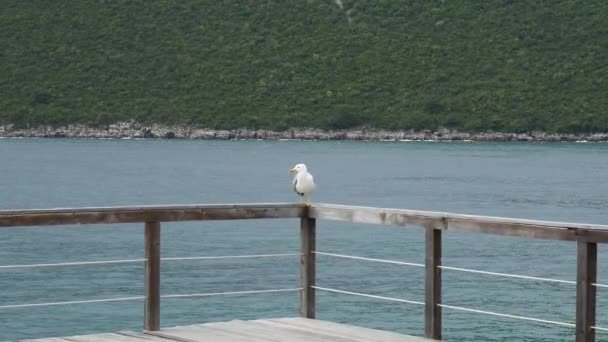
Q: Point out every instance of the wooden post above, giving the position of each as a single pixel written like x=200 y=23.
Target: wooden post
x=432 y=284
x=586 y=276
x=152 y=277
x=307 y=266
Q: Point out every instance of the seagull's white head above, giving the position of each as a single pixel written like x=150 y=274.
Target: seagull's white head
x=298 y=168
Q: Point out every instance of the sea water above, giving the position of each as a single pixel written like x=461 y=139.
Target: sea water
x=547 y=181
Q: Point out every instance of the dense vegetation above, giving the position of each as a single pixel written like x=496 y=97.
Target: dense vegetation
x=502 y=65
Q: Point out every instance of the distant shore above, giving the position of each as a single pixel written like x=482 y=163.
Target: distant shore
x=135 y=131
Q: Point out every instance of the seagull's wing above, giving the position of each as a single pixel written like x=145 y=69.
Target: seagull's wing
x=311 y=179
x=295 y=184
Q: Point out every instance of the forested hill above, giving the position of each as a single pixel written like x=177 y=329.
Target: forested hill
x=501 y=65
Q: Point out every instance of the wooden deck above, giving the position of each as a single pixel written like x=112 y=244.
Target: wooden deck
x=436 y=224
x=263 y=330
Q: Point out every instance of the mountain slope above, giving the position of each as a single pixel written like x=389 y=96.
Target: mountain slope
x=503 y=65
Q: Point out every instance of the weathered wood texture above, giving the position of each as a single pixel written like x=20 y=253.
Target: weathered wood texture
x=432 y=285
x=152 y=276
x=446 y=221
x=269 y=330
x=47 y=217
x=586 y=235
x=307 y=267
x=586 y=276
x=463 y=223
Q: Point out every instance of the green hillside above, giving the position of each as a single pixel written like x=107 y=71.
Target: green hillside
x=502 y=65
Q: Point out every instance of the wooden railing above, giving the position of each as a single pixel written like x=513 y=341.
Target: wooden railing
x=586 y=236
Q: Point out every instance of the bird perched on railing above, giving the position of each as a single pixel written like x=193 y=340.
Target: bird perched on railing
x=303 y=182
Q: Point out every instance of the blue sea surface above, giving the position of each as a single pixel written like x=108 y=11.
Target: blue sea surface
x=548 y=181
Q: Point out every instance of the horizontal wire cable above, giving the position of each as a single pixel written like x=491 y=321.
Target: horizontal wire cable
x=531 y=319
x=208 y=294
x=124 y=261
x=508 y=275
x=232 y=257
x=72 y=302
x=76 y=263
x=368 y=295
x=370 y=259
x=599 y=328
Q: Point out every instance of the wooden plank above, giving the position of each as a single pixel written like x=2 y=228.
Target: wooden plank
x=432 y=284
x=236 y=330
x=322 y=334
x=275 y=330
x=309 y=330
x=187 y=334
x=464 y=223
x=586 y=276
x=370 y=215
x=307 y=266
x=152 y=277
x=456 y=222
x=505 y=227
x=133 y=214
x=48 y=339
x=143 y=336
x=354 y=333
x=108 y=337
x=262 y=332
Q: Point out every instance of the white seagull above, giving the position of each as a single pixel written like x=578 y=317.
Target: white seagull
x=303 y=182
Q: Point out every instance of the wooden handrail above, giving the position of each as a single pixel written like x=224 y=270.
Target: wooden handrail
x=356 y=214
x=464 y=223
x=586 y=235
x=152 y=213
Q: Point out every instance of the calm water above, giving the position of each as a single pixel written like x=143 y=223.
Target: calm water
x=563 y=182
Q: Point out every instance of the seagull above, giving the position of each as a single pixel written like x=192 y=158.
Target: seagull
x=303 y=182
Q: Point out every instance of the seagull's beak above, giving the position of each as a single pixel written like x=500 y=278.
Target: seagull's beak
x=292 y=170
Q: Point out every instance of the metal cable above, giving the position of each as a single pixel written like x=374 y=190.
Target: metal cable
x=370 y=259
x=76 y=263
x=209 y=294
x=124 y=261
x=368 y=295
x=72 y=302
x=395 y=262
x=232 y=257
x=531 y=319
x=460 y=269
x=508 y=275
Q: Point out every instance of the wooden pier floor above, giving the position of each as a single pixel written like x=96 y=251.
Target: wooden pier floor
x=263 y=330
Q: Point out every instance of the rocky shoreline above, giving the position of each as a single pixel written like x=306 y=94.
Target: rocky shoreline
x=138 y=131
